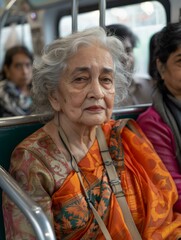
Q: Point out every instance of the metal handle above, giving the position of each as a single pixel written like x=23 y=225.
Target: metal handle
x=102 y=9
x=31 y=210
x=74 y=15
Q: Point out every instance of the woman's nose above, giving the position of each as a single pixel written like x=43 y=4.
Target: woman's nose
x=26 y=68
x=96 y=90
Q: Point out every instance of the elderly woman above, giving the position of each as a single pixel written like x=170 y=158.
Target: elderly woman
x=162 y=122
x=95 y=178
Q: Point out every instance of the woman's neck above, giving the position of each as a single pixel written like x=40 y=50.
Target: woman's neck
x=25 y=90
x=80 y=138
x=78 y=135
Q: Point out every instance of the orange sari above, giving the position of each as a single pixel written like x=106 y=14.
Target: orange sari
x=148 y=187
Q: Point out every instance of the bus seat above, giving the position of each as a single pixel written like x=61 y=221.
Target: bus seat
x=130 y=111
x=14 y=130
x=10 y=137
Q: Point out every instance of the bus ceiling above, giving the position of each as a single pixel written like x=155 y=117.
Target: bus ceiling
x=28 y=5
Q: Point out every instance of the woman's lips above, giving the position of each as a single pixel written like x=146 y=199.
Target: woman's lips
x=95 y=108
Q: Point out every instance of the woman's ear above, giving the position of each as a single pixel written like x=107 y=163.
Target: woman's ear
x=55 y=101
x=161 y=68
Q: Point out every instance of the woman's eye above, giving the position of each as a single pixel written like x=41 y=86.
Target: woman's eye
x=179 y=61
x=80 y=79
x=18 y=66
x=107 y=80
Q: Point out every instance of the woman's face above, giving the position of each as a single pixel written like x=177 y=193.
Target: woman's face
x=171 y=73
x=20 y=71
x=86 y=90
x=129 y=50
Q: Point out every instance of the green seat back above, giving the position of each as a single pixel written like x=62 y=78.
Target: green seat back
x=9 y=137
x=130 y=115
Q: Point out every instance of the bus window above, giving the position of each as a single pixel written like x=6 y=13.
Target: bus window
x=15 y=34
x=144 y=19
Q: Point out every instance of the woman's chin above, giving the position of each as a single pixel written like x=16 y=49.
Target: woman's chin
x=96 y=121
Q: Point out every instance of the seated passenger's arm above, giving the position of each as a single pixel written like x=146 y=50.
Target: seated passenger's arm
x=162 y=139
x=35 y=179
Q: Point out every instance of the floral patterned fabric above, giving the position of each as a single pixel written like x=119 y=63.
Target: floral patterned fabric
x=42 y=171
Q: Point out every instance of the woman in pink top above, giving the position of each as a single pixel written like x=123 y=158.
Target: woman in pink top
x=162 y=122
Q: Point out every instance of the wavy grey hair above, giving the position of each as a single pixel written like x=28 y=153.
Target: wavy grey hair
x=48 y=70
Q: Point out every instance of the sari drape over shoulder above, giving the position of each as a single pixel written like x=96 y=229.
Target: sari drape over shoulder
x=148 y=188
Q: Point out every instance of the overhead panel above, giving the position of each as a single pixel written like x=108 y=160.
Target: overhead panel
x=43 y=3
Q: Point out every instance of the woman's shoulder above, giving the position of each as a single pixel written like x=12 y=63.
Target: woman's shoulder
x=152 y=124
x=7 y=85
x=37 y=139
x=112 y=127
x=149 y=115
x=8 y=92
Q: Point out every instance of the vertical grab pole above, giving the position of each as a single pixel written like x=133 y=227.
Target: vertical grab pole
x=74 y=15
x=102 y=10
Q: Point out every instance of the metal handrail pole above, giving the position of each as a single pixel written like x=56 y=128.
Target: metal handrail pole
x=37 y=118
x=132 y=108
x=102 y=10
x=27 y=119
x=30 y=209
x=74 y=15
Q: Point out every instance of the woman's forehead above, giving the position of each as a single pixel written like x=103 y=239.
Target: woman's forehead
x=90 y=55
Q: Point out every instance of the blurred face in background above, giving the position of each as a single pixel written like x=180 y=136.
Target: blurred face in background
x=129 y=50
x=20 y=71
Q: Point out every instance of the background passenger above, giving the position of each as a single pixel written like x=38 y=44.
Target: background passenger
x=140 y=89
x=128 y=38
x=152 y=59
x=61 y=166
x=130 y=41
x=162 y=122
x=15 y=96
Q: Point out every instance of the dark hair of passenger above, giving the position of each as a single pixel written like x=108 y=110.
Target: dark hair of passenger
x=122 y=32
x=8 y=59
x=152 y=58
x=167 y=42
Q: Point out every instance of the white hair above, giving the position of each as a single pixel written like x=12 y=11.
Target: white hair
x=47 y=71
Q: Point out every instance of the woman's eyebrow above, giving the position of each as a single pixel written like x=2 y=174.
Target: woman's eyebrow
x=107 y=70
x=178 y=55
x=87 y=69
x=81 y=69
